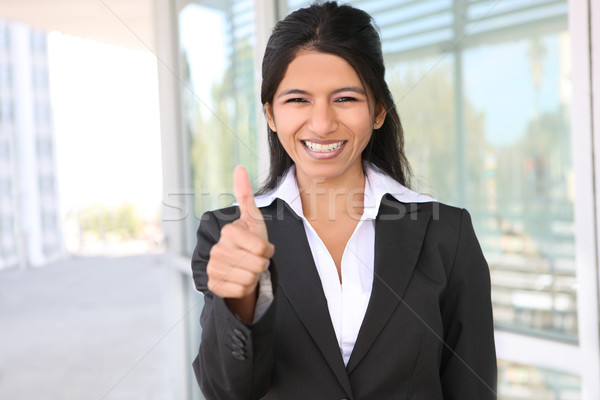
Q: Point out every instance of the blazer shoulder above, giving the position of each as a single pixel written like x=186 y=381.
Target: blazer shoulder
x=446 y=217
x=221 y=215
x=449 y=224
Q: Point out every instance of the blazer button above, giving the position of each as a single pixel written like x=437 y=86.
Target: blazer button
x=239 y=333
x=237 y=340
x=237 y=348
x=238 y=355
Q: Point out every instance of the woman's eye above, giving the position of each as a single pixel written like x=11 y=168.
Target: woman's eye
x=345 y=99
x=296 y=100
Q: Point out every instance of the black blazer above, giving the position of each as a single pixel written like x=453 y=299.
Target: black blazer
x=427 y=333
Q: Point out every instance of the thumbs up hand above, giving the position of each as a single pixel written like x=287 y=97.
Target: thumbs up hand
x=242 y=252
x=249 y=213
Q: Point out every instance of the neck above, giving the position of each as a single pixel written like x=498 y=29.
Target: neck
x=333 y=198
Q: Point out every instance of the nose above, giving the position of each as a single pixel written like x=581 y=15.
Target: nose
x=322 y=119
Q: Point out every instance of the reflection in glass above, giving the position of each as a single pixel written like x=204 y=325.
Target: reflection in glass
x=217 y=41
x=524 y=200
x=482 y=88
x=525 y=382
x=219 y=100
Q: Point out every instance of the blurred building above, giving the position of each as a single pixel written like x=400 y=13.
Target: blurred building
x=30 y=232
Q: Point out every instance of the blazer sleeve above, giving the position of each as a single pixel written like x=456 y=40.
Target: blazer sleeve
x=235 y=360
x=468 y=368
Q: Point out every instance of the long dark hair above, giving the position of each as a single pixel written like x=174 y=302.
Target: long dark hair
x=349 y=33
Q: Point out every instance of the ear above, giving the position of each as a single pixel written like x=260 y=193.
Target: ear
x=380 y=113
x=270 y=117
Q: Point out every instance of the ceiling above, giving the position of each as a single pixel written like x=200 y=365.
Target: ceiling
x=128 y=23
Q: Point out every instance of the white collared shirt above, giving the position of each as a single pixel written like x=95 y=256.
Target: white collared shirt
x=347 y=301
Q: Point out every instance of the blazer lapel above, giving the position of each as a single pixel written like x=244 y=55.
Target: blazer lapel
x=399 y=234
x=299 y=281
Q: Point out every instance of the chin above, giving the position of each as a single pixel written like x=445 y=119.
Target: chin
x=324 y=171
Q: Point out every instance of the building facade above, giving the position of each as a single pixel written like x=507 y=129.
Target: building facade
x=30 y=232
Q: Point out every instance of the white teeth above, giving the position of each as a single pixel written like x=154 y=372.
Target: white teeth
x=323 y=148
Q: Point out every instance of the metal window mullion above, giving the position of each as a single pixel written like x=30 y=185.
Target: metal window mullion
x=586 y=200
x=462 y=175
x=595 y=122
x=416 y=18
x=594 y=34
x=517 y=11
x=265 y=16
x=397 y=38
x=397 y=6
x=539 y=352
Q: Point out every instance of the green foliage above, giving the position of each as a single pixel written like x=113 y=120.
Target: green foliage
x=427 y=105
x=222 y=130
x=102 y=220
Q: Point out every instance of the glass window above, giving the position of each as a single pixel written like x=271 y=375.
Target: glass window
x=525 y=382
x=219 y=96
x=525 y=202
x=483 y=92
x=42 y=111
x=219 y=103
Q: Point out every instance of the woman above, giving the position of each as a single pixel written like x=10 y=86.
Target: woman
x=338 y=282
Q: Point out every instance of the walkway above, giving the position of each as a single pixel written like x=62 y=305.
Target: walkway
x=77 y=329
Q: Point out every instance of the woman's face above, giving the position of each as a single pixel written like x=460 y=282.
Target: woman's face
x=323 y=117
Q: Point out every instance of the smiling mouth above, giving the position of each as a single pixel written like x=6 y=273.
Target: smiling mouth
x=323 y=148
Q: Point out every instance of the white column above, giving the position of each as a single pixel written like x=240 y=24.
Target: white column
x=166 y=49
x=264 y=21
x=28 y=224
x=595 y=77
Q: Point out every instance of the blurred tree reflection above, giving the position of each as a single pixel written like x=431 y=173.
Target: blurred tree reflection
x=227 y=137
x=426 y=103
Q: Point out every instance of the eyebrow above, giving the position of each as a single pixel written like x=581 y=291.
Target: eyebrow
x=355 y=89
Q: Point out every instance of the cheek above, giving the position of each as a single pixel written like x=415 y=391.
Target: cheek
x=361 y=126
x=286 y=138
x=289 y=123
x=289 y=145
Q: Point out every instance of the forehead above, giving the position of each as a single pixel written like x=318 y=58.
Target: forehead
x=319 y=70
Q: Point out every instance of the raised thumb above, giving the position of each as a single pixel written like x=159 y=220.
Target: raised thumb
x=249 y=213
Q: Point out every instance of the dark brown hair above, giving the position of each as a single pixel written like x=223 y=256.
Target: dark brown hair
x=349 y=33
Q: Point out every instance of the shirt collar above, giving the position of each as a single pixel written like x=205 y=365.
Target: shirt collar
x=377 y=185
x=286 y=190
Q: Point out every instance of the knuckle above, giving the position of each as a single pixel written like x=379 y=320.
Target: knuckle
x=213 y=274
x=261 y=246
x=215 y=252
x=271 y=250
x=210 y=268
x=228 y=229
x=238 y=291
x=257 y=268
x=211 y=284
x=248 y=279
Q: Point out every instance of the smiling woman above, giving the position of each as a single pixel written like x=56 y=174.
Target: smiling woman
x=337 y=281
x=323 y=118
